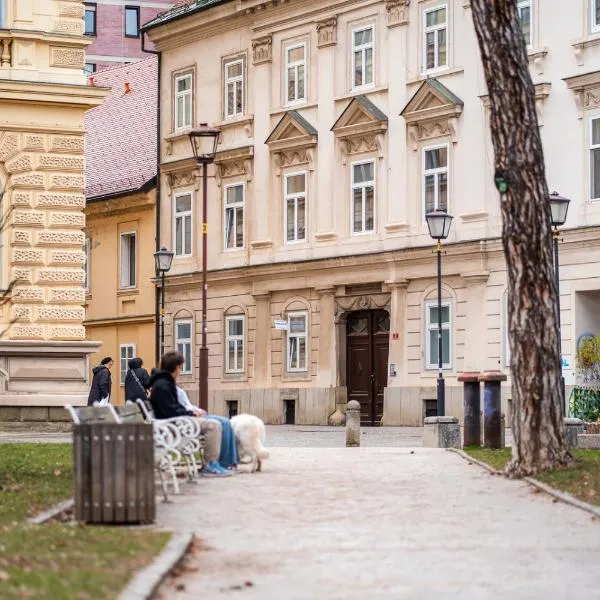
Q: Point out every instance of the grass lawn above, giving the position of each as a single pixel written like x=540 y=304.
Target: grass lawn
x=582 y=479
x=59 y=560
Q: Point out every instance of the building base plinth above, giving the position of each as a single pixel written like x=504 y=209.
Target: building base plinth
x=441 y=432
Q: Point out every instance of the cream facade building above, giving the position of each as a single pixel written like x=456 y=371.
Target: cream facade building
x=43 y=97
x=342 y=123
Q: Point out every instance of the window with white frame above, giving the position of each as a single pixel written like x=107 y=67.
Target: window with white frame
x=234 y=353
x=431 y=340
x=363 y=57
x=295 y=207
x=435 y=38
x=234 y=88
x=182 y=224
x=363 y=197
x=297 y=341
x=525 y=8
x=183 y=101
x=435 y=178
x=595 y=159
x=595 y=16
x=234 y=216
x=183 y=342
x=295 y=73
x=128 y=259
x=87 y=248
x=126 y=353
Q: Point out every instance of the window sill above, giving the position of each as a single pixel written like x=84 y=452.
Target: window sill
x=128 y=292
x=589 y=41
x=297 y=106
x=178 y=134
x=360 y=92
x=437 y=73
x=235 y=122
x=293 y=377
x=234 y=378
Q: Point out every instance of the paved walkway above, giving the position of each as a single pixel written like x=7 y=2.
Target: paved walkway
x=374 y=523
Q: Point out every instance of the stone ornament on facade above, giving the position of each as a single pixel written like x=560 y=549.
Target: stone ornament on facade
x=234 y=163
x=262 y=50
x=348 y=304
x=62 y=56
x=397 y=12
x=327 y=32
x=5 y=53
x=361 y=128
x=432 y=112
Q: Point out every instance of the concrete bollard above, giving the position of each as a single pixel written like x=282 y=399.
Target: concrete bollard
x=573 y=427
x=441 y=432
x=472 y=399
x=353 y=423
x=492 y=417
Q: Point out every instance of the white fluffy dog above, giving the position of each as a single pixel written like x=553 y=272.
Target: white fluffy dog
x=249 y=434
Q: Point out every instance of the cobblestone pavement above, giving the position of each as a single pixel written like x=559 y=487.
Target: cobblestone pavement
x=373 y=523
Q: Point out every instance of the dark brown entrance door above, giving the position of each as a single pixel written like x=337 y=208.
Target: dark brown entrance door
x=367 y=343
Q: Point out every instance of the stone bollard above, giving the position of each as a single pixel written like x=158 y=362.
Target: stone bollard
x=573 y=427
x=472 y=399
x=441 y=432
x=353 y=423
x=492 y=417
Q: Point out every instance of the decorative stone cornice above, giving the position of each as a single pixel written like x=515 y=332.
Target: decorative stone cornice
x=542 y=91
x=262 y=50
x=586 y=88
x=234 y=163
x=397 y=12
x=348 y=304
x=292 y=142
x=327 y=32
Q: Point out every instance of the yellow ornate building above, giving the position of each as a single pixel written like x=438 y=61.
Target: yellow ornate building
x=43 y=98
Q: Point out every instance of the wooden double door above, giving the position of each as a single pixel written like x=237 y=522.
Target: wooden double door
x=367 y=344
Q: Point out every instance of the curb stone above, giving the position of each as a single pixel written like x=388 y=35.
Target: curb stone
x=51 y=512
x=562 y=496
x=145 y=583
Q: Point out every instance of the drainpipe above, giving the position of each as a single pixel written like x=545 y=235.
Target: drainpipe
x=158 y=197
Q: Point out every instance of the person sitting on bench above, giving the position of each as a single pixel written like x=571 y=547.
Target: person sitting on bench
x=163 y=397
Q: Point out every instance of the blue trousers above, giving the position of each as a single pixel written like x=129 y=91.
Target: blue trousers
x=229 y=454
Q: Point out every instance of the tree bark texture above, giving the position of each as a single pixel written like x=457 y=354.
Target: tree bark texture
x=537 y=393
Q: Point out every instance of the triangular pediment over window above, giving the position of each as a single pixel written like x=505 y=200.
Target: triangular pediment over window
x=360 y=128
x=292 y=131
x=432 y=112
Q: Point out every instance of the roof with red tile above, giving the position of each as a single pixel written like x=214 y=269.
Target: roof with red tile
x=120 y=147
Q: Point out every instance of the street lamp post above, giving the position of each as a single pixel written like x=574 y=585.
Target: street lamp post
x=163 y=260
x=439 y=222
x=204 y=142
x=559 y=207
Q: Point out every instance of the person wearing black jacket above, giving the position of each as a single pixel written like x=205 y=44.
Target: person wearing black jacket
x=137 y=380
x=101 y=381
x=165 y=405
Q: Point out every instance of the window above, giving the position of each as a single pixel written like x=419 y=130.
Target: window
x=595 y=159
x=363 y=46
x=295 y=207
x=234 y=216
x=128 y=244
x=89 y=19
x=90 y=68
x=295 y=60
x=524 y=7
x=435 y=178
x=435 y=33
x=431 y=311
x=183 y=342
x=296 y=341
x=132 y=21
x=1 y=13
x=127 y=352
x=234 y=88
x=182 y=224
x=234 y=355
x=87 y=248
x=183 y=102
x=595 y=6
x=363 y=197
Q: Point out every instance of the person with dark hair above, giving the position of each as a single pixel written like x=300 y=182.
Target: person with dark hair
x=101 y=381
x=165 y=405
x=137 y=380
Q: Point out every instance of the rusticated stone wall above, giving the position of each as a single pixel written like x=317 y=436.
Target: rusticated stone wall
x=45 y=199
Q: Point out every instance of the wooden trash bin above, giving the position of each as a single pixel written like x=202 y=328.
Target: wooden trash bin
x=114 y=473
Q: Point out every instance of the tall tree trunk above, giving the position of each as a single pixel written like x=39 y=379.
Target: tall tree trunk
x=538 y=395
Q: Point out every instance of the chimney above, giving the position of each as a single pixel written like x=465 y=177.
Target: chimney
x=127 y=88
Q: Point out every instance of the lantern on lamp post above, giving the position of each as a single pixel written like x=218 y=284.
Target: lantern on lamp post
x=163 y=259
